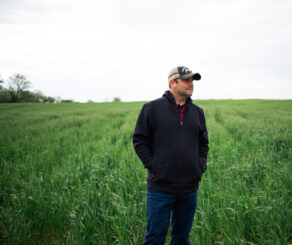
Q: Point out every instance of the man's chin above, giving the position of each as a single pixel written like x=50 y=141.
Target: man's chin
x=190 y=93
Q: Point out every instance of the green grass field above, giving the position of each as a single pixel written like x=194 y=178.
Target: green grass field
x=69 y=174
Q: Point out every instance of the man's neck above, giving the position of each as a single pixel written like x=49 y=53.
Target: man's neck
x=178 y=99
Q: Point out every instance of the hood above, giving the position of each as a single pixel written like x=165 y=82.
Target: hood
x=169 y=96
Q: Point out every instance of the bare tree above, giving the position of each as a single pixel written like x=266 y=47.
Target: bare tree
x=18 y=83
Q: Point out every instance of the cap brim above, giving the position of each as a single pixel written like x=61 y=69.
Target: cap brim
x=196 y=76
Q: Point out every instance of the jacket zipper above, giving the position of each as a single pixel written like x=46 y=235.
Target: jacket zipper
x=181 y=139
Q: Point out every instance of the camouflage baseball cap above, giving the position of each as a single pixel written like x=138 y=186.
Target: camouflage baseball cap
x=182 y=72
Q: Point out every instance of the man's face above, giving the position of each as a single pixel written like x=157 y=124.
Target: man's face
x=183 y=87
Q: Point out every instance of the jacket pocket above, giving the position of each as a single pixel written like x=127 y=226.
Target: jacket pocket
x=192 y=157
x=174 y=166
x=164 y=165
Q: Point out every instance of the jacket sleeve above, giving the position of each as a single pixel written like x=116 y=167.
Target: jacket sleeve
x=142 y=138
x=203 y=142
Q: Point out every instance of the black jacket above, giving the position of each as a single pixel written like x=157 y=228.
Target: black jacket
x=174 y=152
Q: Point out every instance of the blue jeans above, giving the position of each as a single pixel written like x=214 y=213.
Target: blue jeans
x=160 y=206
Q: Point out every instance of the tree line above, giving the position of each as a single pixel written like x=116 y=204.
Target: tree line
x=17 y=91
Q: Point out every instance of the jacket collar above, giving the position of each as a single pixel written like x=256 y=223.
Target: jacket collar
x=169 y=96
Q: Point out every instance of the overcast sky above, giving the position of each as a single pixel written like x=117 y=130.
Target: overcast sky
x=97 y=50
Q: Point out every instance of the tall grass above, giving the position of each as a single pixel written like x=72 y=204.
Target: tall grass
x=69 y=174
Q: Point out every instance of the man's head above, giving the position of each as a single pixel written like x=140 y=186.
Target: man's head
x=181 y=81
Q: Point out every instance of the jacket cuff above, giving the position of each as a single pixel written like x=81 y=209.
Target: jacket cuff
x=203 y=164
x=148 y=165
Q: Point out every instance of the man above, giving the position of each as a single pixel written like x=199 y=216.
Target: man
x=171 y=140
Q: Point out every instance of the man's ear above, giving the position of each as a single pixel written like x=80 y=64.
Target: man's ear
x=171 y=82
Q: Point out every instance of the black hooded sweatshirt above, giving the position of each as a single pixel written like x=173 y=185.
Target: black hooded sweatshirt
x=174 y=151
